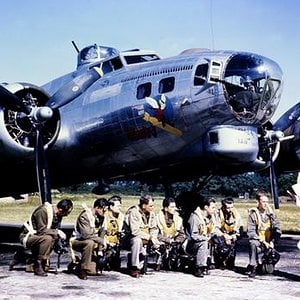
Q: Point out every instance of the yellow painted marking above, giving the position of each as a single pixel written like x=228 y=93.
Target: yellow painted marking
x=99 y=71
x=167 y=127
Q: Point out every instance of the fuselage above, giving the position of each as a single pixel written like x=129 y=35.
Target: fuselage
x=149 y=118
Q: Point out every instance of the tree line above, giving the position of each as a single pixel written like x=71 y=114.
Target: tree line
x=234 y=186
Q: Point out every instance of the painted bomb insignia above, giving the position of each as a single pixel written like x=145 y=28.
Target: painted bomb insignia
x=159 y=112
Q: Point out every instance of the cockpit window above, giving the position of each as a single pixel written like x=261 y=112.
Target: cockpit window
x=116 y=62
x=109 y=65
x=135 y=59
x=201 y=74
x=89 y=53
x=252 y=84
x=95 y=53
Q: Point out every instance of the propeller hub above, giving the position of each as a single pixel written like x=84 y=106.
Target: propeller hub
x=274 y=135
x=278 y=134
x=41 y=114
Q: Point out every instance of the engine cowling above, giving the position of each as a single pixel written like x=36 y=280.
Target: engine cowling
x=17 y=134
x=289 y=156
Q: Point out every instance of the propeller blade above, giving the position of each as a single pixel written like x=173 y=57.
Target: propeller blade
x=273 y=180
x=288 y=118
x=37 y=115
x=10 y=101
x=74 y=88
x=42 y=170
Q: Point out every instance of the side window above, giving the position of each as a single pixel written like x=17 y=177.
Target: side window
x=143 y=90
x=106 y=67
x=201 y=74
x=109 y=65
x=166 y=85
x=116 y=63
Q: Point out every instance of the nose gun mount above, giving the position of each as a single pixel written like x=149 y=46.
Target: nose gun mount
x=253 y=86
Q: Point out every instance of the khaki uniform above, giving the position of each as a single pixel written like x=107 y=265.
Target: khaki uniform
x=228 y=227
x=40 y=231
x=143 y=228
x=86 y=240
x=262 y=228
x=113 y=227
x=229 y=223
x=170 y=227
x=199 y=230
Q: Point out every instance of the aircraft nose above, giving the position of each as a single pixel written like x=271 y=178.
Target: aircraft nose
x=253 y=86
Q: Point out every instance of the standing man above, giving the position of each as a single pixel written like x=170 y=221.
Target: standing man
x=141 y=222
x=263 y=230
x=41 y=231
x=200 y=226
x=229 y=224
x=88 y=237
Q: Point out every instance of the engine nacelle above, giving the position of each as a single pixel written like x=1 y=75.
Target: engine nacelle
x=17 y=132
x=289 y=155
x=232 y=143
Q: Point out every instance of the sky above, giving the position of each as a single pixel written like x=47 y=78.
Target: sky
x=37 y=35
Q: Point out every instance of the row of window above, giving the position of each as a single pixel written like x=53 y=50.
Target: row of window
x=166 y=85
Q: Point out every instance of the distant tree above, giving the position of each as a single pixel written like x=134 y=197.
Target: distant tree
x=248 y=182
x=285 y=182
x=218 y=185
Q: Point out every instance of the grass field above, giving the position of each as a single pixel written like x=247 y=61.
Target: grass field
x=19 y=211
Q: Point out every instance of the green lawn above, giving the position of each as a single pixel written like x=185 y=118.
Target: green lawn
x=18 y=211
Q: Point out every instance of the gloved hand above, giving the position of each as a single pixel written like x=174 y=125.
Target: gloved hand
x=156 y=243
x=61 y=234
x=101 y=241
x=268 y=245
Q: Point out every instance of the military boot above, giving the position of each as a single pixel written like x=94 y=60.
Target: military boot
x=46 y=265
x=199 y=272
x=38 y=269
x=252 y=272
x=134 y=272
x=206 y=271
x=82 y=274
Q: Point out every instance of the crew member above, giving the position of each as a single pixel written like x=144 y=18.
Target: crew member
x=171 y=231
x=87 y=237
x=263 y=230
x=199 y=229
x=229 y=225
x=246 y=100
x=41 y=231
x=113 y=225
x=140 y=220
x=170 y=223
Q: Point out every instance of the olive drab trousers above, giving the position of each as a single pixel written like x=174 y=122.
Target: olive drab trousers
x=40 y=245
